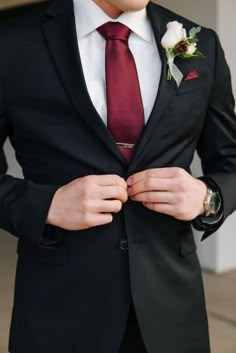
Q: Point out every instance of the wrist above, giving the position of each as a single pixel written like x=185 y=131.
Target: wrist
x=52 y=216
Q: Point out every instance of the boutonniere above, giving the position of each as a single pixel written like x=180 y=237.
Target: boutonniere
x=177 y=43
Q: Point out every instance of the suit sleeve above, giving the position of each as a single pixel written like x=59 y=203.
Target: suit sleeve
x=217 y=144
x=3 y=162
x=24 y=205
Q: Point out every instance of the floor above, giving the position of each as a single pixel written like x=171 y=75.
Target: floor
x=220 y=296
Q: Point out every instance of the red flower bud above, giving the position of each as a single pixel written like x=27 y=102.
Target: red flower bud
x=181 y=47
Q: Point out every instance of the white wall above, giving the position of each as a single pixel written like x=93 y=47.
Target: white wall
x=13 y=166
x=226 y=241
x=200 y=11
x=226 y=15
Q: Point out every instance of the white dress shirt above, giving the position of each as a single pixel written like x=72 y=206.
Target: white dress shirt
x=89 y=16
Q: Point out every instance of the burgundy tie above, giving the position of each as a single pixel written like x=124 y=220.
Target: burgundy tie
x=124 y=102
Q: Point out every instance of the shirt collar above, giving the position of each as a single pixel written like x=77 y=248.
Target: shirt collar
x=89 y=16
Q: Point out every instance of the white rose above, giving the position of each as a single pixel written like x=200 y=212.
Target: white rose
x=175 y=33
x=192 y=48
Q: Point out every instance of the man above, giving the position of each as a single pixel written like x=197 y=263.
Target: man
x=107 y=260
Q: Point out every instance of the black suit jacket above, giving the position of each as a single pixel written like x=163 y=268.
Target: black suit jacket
x=74 y=295
x=3 y=162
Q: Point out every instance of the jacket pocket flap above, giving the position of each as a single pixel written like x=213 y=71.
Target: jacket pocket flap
x=44 y=255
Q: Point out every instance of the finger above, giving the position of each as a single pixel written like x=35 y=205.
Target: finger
x=153 y=173
x=109 y=206
x=86 y=221
x=167 y=209
x=155 y=197
x=110 y=180
x=114 y=192
x=100 y=219
x=151 y=184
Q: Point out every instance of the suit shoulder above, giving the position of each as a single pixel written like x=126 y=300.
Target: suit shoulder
x=24 y=14
x=19 y=23
x=187 y=23
x=208 y=39
x=19 y=28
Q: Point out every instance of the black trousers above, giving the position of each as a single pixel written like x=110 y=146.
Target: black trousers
x=132 y=341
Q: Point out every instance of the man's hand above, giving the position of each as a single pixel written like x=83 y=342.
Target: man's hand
x=171 y=191
x=87 y=202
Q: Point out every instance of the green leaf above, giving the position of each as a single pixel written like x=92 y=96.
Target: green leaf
x=192 y=40
x=194 y=31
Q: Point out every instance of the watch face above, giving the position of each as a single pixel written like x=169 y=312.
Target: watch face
x=214 y=203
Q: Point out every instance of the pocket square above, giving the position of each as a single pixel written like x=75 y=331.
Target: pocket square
x=191 y=76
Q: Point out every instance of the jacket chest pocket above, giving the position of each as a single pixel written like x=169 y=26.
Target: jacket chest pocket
x=190 y=86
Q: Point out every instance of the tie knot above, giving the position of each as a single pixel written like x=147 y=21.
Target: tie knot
x=114 y=31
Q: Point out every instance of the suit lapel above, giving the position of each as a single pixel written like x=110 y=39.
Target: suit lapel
x=165 y=92
x=61 y=38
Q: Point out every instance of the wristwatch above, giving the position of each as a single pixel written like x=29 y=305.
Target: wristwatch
x=212 y=203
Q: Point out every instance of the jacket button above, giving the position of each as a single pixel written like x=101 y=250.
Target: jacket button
x=124 y=245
